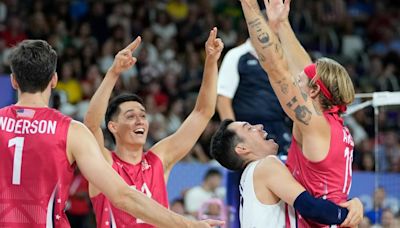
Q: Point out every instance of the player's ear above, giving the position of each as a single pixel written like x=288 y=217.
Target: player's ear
x=241 y=149
x=54 y=80
x=112 y=127
x=14 y=82
x=314 y=91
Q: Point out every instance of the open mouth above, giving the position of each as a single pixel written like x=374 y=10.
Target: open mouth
x=265 y=135
x=139 y=131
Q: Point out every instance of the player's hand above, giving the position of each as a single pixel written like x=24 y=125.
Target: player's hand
x=356 y=212
x=277 y=12
x=123 y=59
x=214 y=45
x=209 y=223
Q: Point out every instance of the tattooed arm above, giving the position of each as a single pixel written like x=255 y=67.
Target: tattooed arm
x=272 y=59
x=278 y=12
x=309 y=125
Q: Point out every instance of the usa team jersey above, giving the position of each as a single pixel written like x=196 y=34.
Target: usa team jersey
x=35 y=174
x=330 y=178
x=147 y=176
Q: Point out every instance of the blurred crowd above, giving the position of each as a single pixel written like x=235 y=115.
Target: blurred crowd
x=363 y=35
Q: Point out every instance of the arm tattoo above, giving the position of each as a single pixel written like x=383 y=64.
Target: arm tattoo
x=303 y=114
x=261 y=57
x=303 y=94
x=317 y=109
x=292 y=102
x=301 y=111
x=284 y=86
x=262 y=36
x=279 y=50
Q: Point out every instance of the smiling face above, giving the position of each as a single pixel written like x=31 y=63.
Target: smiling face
x=130 y=126
x=253 y=140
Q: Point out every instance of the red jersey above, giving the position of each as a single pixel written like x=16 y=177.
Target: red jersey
x=147 y=176
x=79 y=196
x=330 y=178
x=35 y=174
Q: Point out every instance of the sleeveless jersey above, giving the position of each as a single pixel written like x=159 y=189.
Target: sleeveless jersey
x=253 y=213
x=35 y=174
x=147 y=176
x=330 y=178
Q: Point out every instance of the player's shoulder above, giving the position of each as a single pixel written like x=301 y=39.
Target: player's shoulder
x=77 y=127
x=269 y=164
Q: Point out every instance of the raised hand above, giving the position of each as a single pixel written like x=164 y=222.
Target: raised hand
x=214 y=45
x=277 y=12
x=356 y=212
x=123 y=59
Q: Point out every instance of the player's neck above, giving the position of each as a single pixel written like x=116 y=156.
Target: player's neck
x=39 y=99
x=130 y=154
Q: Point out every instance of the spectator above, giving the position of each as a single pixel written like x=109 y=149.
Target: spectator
x=210 y=188
x=375 y=215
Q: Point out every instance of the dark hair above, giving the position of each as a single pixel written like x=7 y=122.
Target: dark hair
x=212 y=172
x=33 y=63
x=223 y=144
x=113 y=107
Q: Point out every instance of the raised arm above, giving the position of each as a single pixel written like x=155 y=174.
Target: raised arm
x=277 y=178
x=293 y=100
x=173 y=148
x=297 y=56
x=98 y=172
x=98 y=104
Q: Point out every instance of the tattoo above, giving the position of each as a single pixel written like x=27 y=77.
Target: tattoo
x=284 y=86
x=279 y=50
x=317 y=109
x=292 y=102
x=303 y=94
x=263 y=37
x=261 y=57
x=303 y=114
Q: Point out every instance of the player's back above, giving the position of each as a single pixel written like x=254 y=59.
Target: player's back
x=35 y=174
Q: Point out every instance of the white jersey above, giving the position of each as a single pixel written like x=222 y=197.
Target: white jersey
x=253 y=213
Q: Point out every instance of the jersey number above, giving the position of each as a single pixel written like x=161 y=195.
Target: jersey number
x=18 y=142
x=349 y=159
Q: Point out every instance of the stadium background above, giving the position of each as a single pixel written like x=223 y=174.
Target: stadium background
x=363 y=35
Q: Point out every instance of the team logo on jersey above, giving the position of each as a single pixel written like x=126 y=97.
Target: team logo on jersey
x=145 y=165
x=25 y=113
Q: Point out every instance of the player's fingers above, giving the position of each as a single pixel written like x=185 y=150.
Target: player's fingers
x=212 y=35
x=266 y=3
x=345 y=204
x=132 y=46
x=346 y=222
x=218 y=42
x=123 y=52
x=212 y=222
x=287 y=3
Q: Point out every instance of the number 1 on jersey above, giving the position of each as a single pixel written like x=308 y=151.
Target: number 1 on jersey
x=18 y=142
x=349 y=159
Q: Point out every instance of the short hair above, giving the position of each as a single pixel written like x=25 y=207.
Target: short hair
x=33 y=63
x=113 y=109
x=212 y=172
x=223 y=144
